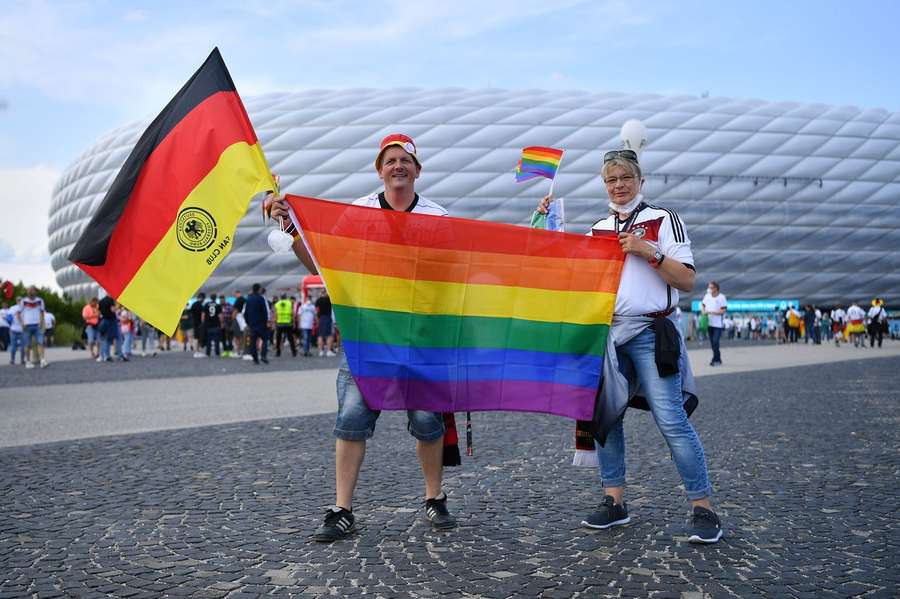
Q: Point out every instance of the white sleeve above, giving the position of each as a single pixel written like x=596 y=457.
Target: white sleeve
x=673 y=239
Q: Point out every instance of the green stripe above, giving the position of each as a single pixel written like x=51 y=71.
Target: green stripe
x=439 y=330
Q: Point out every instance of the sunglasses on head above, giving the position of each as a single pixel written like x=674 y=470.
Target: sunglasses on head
x=626 y=154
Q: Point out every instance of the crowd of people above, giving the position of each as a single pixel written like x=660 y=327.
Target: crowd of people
x=236 y=327
x=808 y=324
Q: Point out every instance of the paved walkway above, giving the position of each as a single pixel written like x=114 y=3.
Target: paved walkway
x=804 y=460
x=176 y=391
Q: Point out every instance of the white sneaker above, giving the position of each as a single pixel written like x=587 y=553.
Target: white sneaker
x=321 y=353
x=29 y=365
x=44 y=363
x=247 y=358
x=330 y=354
x=99 y=359
x=200 y=355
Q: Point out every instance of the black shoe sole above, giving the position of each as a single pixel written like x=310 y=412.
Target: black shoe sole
x=621 y=522
x=331 y=538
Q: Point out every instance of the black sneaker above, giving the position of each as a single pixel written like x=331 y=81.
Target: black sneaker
x=437 y=514
x=705 y=526
x=608 y=514
x=339 y=524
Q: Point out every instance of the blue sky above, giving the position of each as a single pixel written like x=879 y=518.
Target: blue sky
x=71 y=71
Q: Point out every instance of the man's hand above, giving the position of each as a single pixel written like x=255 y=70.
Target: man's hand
x=634 y=245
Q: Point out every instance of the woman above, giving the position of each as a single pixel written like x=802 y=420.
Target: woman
x=658 y=263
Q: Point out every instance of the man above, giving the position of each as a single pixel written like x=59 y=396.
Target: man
x=877 y=319
x=212 y=325
x=196 y=310
x=109 y=330
x=284 y=325
x=856 y=317
x=33 y=325
x=49 y=329
x=307 y=318
x=838 y=318
x=4 y=326
x=398 y=167
x=325 y=333
x=16 y=344
x=90 y=314
x=256 y=314
x=715 y=304
x=227 y=327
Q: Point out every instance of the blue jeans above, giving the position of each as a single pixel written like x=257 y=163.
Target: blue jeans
x=307 y=339
x=213 y=339
x=16 y=344
x=33 y=331
x=356 y=422
x=259 y=333
x=715 y=334
x=667 y=407
x=109 y=334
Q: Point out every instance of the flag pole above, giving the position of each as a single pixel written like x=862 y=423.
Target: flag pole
x=553 y=180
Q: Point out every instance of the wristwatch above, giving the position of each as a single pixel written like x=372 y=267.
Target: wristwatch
x=657 y=259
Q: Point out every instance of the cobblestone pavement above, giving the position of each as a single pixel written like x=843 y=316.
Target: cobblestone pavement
x=805 y=462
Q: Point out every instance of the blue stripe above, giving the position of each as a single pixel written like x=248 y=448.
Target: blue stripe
x=472 y=364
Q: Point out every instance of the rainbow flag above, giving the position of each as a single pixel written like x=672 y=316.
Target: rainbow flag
x=538 y=161
x=451 y=315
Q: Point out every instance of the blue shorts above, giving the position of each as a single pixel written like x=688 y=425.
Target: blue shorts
x=33 y=331
x=92 y=333
x=356 y=422
x=324 y=327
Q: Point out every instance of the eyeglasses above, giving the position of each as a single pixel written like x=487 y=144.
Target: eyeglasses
x=626 y=154
x=626 y=179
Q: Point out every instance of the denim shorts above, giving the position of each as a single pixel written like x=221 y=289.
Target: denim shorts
x=33 y=331
x=92 y=333
x=356 y=422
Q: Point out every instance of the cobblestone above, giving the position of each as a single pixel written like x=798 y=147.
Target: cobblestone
x=804 y=462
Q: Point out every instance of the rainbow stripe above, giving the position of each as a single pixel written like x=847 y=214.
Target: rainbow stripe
x=447 y=314
x=538 y=161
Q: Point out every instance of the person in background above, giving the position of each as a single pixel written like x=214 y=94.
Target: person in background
x=4 y=326
x=838 y=320
x=325 y=333
x=307 y=318
x=715 y=304
x=16 y=333
x=257 y=316
x=856 y=317
x=227 y=327
x=877 y=319
x=31 y=317
x=284 y=322
x=809 y=324
x=792 y=321
x=196 y=310
x=49 y=329
x=90 y=314
x=212 y=326
x=127 y=329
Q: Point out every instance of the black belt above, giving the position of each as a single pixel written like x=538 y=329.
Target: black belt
x=661 y=314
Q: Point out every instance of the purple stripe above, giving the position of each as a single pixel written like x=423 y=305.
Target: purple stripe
x=478 y=396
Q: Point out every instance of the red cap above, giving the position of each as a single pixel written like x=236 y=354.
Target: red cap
x=397 y=139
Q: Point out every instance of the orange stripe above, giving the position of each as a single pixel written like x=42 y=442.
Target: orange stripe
x=456 y=266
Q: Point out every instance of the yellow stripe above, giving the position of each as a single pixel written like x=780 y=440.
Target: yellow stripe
x=171 y=274
x=460 y=299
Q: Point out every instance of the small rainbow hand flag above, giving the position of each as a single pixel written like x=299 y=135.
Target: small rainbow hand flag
x=452 y=315
x=538 y=161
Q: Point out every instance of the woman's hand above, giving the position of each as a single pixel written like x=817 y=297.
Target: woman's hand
x=543 y=206
x=634 y=245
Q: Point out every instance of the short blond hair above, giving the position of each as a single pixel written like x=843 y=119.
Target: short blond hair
x=629 y=165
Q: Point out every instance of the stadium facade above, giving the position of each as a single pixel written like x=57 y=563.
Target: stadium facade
x=780 y=199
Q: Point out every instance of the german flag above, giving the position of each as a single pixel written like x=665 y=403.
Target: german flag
x=170 y=216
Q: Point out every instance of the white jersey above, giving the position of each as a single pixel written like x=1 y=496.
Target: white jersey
x=715 y=303
x=855 y=314
x=641 y=289
x=420 y=205
x=877 y=314
x=838 y=315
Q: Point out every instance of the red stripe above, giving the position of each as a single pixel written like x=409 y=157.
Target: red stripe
x=180 y=161
x=542 y=150
x=447 y=233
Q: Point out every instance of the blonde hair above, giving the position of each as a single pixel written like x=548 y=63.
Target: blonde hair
x=629 y=165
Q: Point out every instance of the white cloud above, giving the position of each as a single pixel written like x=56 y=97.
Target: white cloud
x=25 y=195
